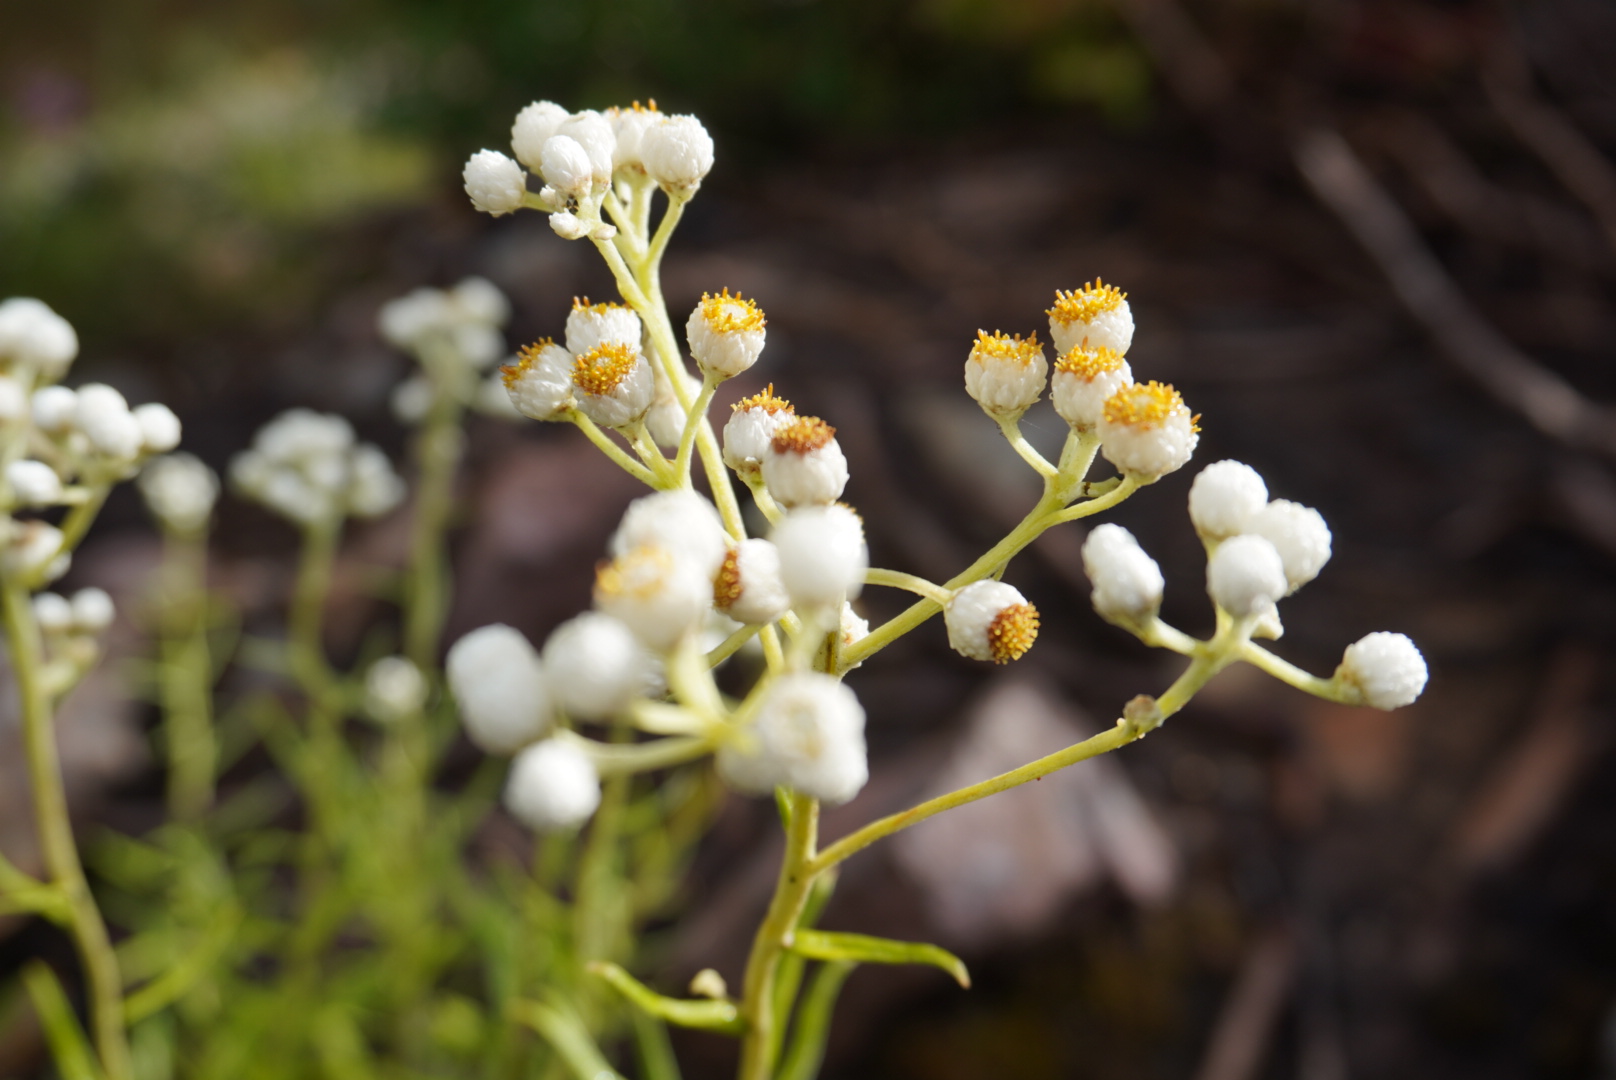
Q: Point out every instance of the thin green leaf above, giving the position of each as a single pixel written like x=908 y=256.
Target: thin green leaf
x=859 y=948
x=720 y=1016
x=174 y=983
x=655 y=1050
x=812 y=1026
x=788 y=976
x=568 y=1037
x=69 y=1047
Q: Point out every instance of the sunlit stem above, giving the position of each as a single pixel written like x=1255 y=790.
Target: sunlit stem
x=1011 y=427
x=897 y=579
x=667 y=477
x=615 y=453
x=773 y=655
x=438 y=448
x=693 y=420
x=790 y=894
x=1286 y=672
x=306 y=624
x=731 y=645
x=760 y=495
x=186 y=676
x=627 y=759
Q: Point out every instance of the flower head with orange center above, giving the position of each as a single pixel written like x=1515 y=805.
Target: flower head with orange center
x=1012 y=632
x=604 y=368
x=589 y=325
x=1089 y=363
x=615 y=384
x=767 y=401
x=990 y=620
x=726 y=333
x=1146 y=430
x=803 y=435
x=1085 y=304
x=1005 y=374
x=540 y=382
x=658 y=595
x=751 y=428
x=999 y=347
x=526 y=357
x=1097 y=311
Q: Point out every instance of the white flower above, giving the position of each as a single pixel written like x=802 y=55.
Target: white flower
x=855 y=628
x=32 y=550
x=33 y=483
x=497 y=185
x=1300 y=536
x=1386 y=668
x=1005 y=374
x=592 y=325
x=1225 y=498
x=631 y=124
x=804 y=465
x=179 y=490
x=566 y=166
x=595 y=665
x=810 y=729
x=748 y=587
x=305 y=466
x=677 y=152
x=104 y=417
x=665 y=420
x=159 y=428
x=533 y=127
x=478 y=300
x=34 y=336
x=411 y=399
x=53 y=613
x=553 y=785
x=822 y=554
x=501 y=688
x=751 y=427
x=467 y=317
x=1245 y=576
x=54 y=409
x=1145 y=430
x=989 y=620
x=726 y=333
x=13 y=401
x=540 y=381
x=93 y=610
x=569 y=226
x=593 y=132
x=374 y=488
x=1127 y=582
x=656 y=594
x=1097 y=313
x=1084 y=378
x=683 y=522
x=394 y=689
x=613 y=384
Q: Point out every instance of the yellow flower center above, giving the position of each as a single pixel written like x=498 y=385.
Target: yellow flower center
x=803 y=435
x=1012 y=632
x=1085 y=304
x=526 y=357
x=1089 y=364
x=997 y=347
x=765 y=401
x=1144 y=405
x=640 y=574
x=727 y=586
x=581 y=303
x=728 y=314
x=603 y=368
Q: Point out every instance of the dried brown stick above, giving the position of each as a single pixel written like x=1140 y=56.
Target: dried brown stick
x=1254 y=1005
x=1515 y=380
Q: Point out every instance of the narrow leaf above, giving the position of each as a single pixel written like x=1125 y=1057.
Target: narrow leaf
x=859 y=948
x=568 y=1037
x=67 y=1042
x=812 y=1027
x=720 y=1016
x=656 y=1051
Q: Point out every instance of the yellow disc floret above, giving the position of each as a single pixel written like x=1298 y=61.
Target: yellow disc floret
x=1085 y=304
x=581 y=303
x=727 y=586
x=765 y=401
x=1000 y=346
x=526 y=357
x=728 y=314
x=1089 y=364
x=803 y=435
x=603 y=368
x=640 y=574
x=1144 y=405
x=1012 y=632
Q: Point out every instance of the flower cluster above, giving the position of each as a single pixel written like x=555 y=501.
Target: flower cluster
x=455 y=334
x=309 y=468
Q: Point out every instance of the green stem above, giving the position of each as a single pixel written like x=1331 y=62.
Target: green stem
x=616 y=453
x=81 y=517
x=306 y=644
x=687 y=439
x=797 y=873
x=104 y=984
x=438 y=449
x=1011 y=427
x=897 y=579
x=187 y=678
x=1286 y=672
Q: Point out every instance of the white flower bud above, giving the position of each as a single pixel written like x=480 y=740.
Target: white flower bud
x=32 y=550
x=1084 y=379
x=748 y=587
x=1245 y=576
x=54 y=409
x=592 y=325
x=478 y=300
x=404 y=322
x=595 y=665
x=677 y=153
x=34 y=336
x=1127 y=582
x=540 y=382
x=104 y=417
x=93 y=610
x=665 y=420
x=593 y=133
x=34 y=483
x=13 y=401
x=823 y=556
x=631 y=124
x=1300 y=536
x=395 y=689
x=374 y=488
x=613 y=384
x=179 y=490
x=568 y=226
x=1145 y=430
x=497 y=185
x=567 y=167
x=726 y=333
x=810 y=729
x=1386 y=668
x=656 y=594
x=159 y=428
x=751 y=427
x=804 y=465
x=1005 y=374
x=534 y=126
x=411 y=399
x=682 y=522
x=500 y=685
x=553 y=785
x=53 y=613
x=989 y=620
x=855 y=628
x=1097 y=313
x=1224 y=499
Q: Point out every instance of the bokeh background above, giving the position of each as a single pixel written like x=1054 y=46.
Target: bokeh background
x=1368 y=240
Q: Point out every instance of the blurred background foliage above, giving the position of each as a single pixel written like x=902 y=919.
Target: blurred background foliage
x=173 y=166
